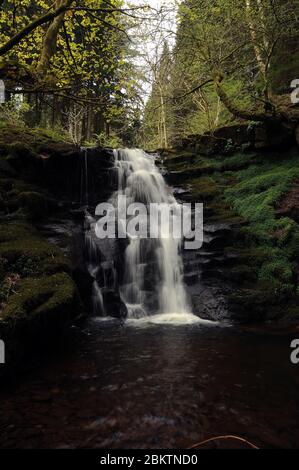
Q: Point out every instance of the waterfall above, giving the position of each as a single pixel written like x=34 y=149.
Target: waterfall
x=149 y=261
x=137 y=276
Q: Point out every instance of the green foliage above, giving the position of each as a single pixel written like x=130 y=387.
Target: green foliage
x=258 y=190
x=279 y=272
x=55 y=134
x=103 y=140
x=255 y=197
x=245 y=190
x=243 y=42
x=79 y=76
x=13 y=113
x=158 y=112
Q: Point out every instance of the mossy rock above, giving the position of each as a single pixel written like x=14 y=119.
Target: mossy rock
x=221 y=212
x=291 y=312
x=36 y=204
x=253 y=304
x=46 y=299
x=253 y=256
x=20 y=149
x=243 y=274
x=204 y=189
x=16 y=231
x=33 y=256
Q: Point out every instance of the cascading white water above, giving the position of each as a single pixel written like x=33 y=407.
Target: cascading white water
x=140 y=181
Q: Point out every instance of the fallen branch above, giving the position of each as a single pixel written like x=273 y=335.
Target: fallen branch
x=222 y=438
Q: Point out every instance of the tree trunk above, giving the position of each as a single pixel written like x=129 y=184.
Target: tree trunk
x=50 y=40
x=258 y=52
x=164 y=139
x=242 y=113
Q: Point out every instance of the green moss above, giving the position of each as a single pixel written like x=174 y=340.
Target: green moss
x=204 y=188
x=47 y=297
x=33 y=256
x=22 y=141
x=255 y=196
x=237 y=162
x=261 y=300
x=280 y=272
x=36 y=204
x=245 y=190
x=189 y=162
x=19 y=149
x=42 y=136
x=16 y=231
x=221 y=212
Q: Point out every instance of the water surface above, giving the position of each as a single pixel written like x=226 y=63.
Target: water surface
x=156 y=385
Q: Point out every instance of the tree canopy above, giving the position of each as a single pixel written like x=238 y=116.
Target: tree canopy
x=232 y=59
x=71 y=55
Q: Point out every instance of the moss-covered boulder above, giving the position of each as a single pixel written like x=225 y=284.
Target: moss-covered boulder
x=16 y=231
x=204 y=189
x=36 y=204
x=35 y=316
x=46 y=299
x=33 y=256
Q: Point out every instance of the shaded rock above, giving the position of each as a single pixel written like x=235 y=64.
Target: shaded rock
x=274 y=136
x=209 y=302
x=36 y=204
x=191 y=278
x=223 y=140
x=114 y=306
x=254 y=304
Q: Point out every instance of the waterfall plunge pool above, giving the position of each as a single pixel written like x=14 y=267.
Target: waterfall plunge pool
x=114 y=386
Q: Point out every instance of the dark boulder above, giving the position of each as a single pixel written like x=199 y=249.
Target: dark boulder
x=114 y=306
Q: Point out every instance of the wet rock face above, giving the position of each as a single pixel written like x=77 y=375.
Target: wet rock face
x=114 y=306
x=67 y=171
x=207 y=274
